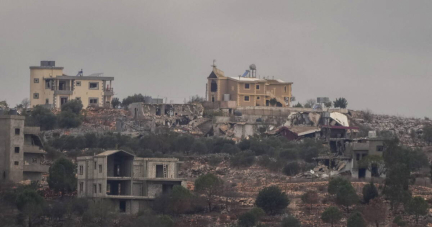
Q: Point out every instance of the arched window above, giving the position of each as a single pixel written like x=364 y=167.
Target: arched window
x=213 y=86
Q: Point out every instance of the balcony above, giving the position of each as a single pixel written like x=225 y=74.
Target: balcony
x=63 y=92
x=36 y=168
x=32 y=130
x=33 y=149
x=108 y=92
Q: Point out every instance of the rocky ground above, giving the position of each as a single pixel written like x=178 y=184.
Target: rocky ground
x=248 y=182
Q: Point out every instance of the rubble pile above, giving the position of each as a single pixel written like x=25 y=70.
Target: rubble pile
x=408 y=130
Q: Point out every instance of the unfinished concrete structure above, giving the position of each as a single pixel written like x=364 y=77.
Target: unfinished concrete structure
x=21 y=151
x=246 y=90
x=51 y=88
x=128 y=181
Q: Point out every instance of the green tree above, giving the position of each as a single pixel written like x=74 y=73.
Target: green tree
x=290 y=221
x=417 y=206
x=427 y=133
x=257 y=212
x=340 y=103
x=247 y=219
x=310 y=103
x=62 y=176
x=115 y=103
x=328 y=104
x=67 y=119
x=396 y=185
x=298 y=105
x=131 y=99
x=272 y=200
x=198 y=147
x=331 y=215
x=310 y=197
x=74 y=106
x=335 y=184
x=210 y=186
x=180 y=200
x=369 y=192
x=356 y=220
x=346 y=196
x=42 y=117
x=30 y=204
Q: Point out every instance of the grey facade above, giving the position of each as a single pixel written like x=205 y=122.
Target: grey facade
x=21 y=150
x=360 y=150
x=129 y=182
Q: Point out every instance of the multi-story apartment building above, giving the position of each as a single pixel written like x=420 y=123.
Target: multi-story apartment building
x=50 y=87
x=247 y=91
x=128 y=181
x=21 y=151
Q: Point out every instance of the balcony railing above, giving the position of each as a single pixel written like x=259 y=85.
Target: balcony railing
x=63 y=92
x=33 y=149
x=36 y=168
x=108 y=91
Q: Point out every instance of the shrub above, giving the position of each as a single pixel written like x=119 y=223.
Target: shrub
x=369 y=192
x=290 y=221
x=335 y=183
x=199 y=147
x=417 y=206
x=74 y=106
x=215 y=160
x=67 y=119
x=257 y=212
x=356 y=220
x=291 y=169
x=310 y=197
x=247 y=219
x=42 y=117
x=243 y=159
x=346 y=196
x=272 y=200
x=331 y=215
x=290 y=154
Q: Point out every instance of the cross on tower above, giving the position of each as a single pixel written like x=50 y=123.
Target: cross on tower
x=214 y=61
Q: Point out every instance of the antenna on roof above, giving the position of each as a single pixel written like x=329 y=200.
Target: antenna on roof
x=214 y=65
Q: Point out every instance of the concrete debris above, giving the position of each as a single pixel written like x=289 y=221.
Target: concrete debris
x=408 y=130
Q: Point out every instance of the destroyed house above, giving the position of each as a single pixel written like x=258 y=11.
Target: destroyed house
x=21 y=150
x=129 y=182
x=166 y=114
x=295 y=133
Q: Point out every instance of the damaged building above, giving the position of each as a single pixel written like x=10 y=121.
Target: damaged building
x=129 y=182
x=183 y=118
x=246 y=90
x=21 y=150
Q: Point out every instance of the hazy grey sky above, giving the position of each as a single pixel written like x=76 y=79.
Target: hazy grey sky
x=377 y=54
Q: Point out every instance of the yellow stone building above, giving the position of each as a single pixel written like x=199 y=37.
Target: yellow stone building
x=50 y=87
x=247 y=90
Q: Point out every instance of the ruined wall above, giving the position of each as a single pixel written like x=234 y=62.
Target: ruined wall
x=154 y=189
